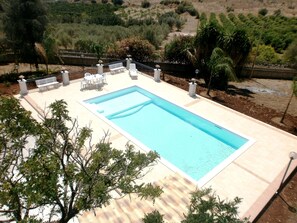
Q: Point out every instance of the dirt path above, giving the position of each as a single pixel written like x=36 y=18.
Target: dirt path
x=270 y=93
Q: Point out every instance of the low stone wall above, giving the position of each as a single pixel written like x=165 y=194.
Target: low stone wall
x=269 y=73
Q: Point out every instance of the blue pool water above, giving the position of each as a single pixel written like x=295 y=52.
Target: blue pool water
x=189 y=142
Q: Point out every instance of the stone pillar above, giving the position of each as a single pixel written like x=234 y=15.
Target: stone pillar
x=23 y=86
x=157 y=73
x=65 y=77
x=128 y=59
x=192 y=89
x=99 y=68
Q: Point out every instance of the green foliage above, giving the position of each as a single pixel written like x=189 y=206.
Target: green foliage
x=263 y=12
x=290 y=54
x=85 y=46
x=170 y=2
x=176 y=50
x=139 y=49
x=14 y=76
x=170 y=18
x=209 y=208
x=63 y=172
x=237 y=45
x=203 y=19
x=153 y=217
x=186 y=6
x=227 y=24
x=266 y=55
x=24 y=25
x=145 y=4
x=229 y=9
x=117 y=2
x=100 y=14
x=16 y=126
x=221 y=70
x=107 y=35
x=206 y=207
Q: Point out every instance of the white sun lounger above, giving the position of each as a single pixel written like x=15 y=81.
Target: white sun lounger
x=133 y=71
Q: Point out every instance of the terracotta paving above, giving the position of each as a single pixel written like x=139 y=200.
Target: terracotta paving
x=172 y=204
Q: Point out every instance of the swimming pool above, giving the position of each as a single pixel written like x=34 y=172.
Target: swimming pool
x=191 y=143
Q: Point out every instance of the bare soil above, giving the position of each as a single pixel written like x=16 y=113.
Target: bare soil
x=263 y=99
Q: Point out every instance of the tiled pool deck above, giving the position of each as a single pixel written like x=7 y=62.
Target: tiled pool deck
x=254 y=176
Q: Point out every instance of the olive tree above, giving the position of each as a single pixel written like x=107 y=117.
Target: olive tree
x=62 y=172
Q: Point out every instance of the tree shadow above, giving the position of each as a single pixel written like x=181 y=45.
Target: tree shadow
x=233 y=90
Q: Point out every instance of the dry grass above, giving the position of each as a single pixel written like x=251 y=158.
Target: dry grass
x=287 y=7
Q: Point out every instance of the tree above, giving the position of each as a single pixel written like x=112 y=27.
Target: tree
x=238 y=46
x=24 y=25
x=294 y=93
x=221 y=67
x=205 y=207
x=290 y=54
x=206 y=39
x=16 y=128
x=63 y=173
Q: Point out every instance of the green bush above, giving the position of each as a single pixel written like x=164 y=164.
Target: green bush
x=186 y=7
x=117 y=2
x=229 y=9
x=170 y=18
x=176 y=50
x=266 y=55
x=170 y=2
x=153 y=217
x=140 y=49
x=263 y=12
x=145 y=4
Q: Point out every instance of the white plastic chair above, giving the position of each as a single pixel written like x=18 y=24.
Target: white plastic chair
x=83 y=85
x=88 y=74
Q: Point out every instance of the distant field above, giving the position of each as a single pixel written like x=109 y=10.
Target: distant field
x=288 y=7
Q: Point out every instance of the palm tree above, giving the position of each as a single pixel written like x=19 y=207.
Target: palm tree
x=219 y=64
x=238 y=46
x=294 y=93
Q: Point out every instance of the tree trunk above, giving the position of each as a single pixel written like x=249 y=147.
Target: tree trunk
x=209 y=86
x=254 y=60
x=285 y=112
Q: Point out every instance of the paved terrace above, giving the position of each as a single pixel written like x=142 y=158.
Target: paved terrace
x=254 y=176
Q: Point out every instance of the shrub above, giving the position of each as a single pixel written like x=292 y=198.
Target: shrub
x=263 y=12
x=186 y=7
x=153 y=217
x=266 y=55
x=176 y=50
x=229 y=9
x=117 y=2
x=169 y=2
x=170 y=18
x=85 y=46
x=138 y=48
x=145 y=4
x=104 y=1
